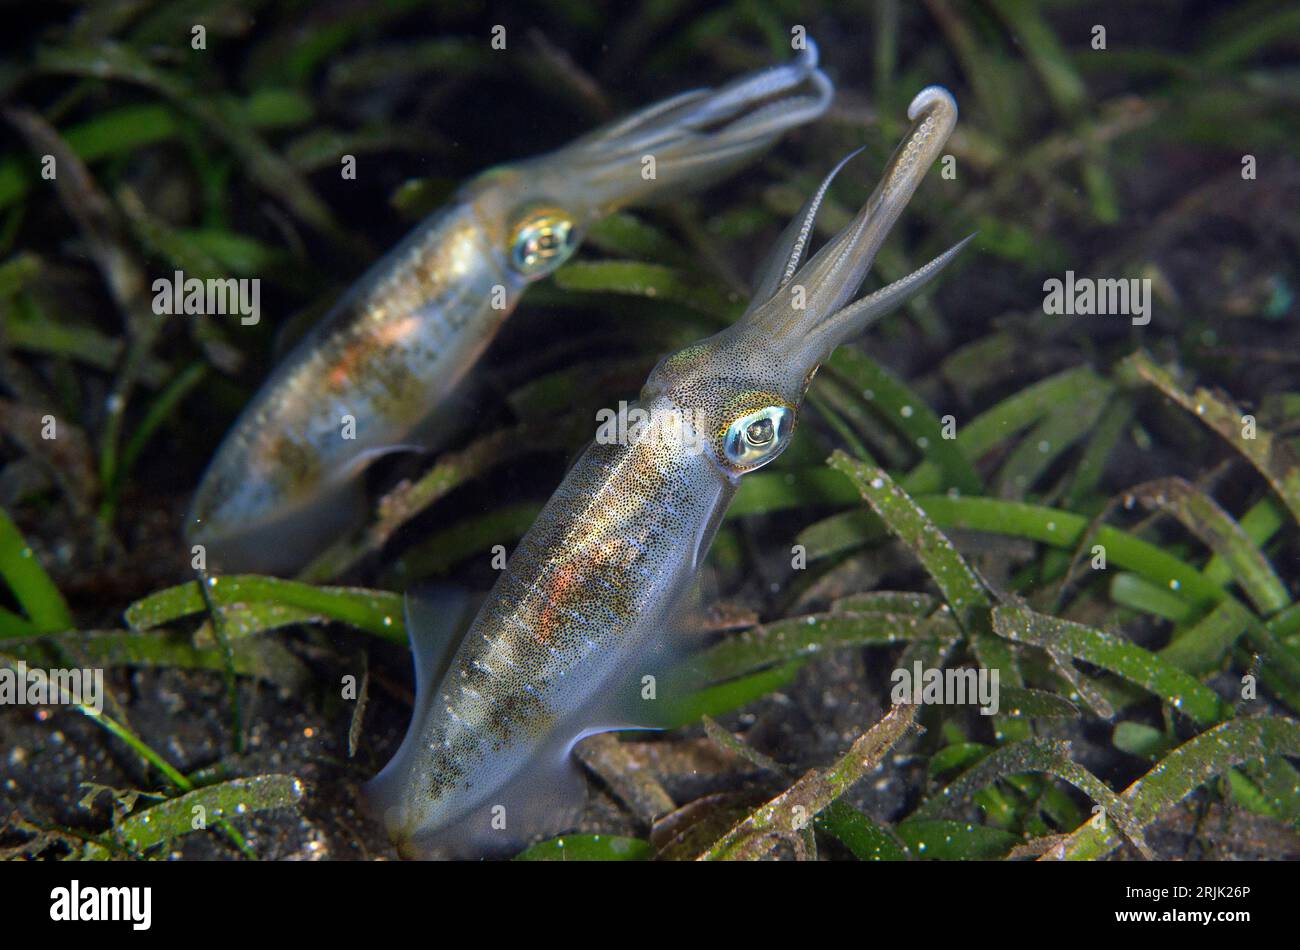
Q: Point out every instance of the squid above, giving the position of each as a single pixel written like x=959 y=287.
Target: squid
x=571 y=638
x=375 y=375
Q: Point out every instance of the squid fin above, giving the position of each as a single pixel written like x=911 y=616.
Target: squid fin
x=436 y=619
x=363 y=459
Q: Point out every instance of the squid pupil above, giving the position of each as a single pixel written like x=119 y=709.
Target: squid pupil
x=760 y=432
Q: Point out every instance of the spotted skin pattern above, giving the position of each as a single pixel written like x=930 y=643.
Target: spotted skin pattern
x=388 y=348
x=589 y=600
x=582 y=593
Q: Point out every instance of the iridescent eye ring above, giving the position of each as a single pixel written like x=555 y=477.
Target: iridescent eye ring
x=542 y=241
x=758 y=437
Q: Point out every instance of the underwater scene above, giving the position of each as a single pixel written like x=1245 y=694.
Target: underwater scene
x=800 y=430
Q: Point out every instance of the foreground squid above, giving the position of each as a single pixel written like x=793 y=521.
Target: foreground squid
x=589 y=602
x=372 y=376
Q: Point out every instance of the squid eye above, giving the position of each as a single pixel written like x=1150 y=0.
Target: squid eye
x=542 y=241
x=757 y=438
